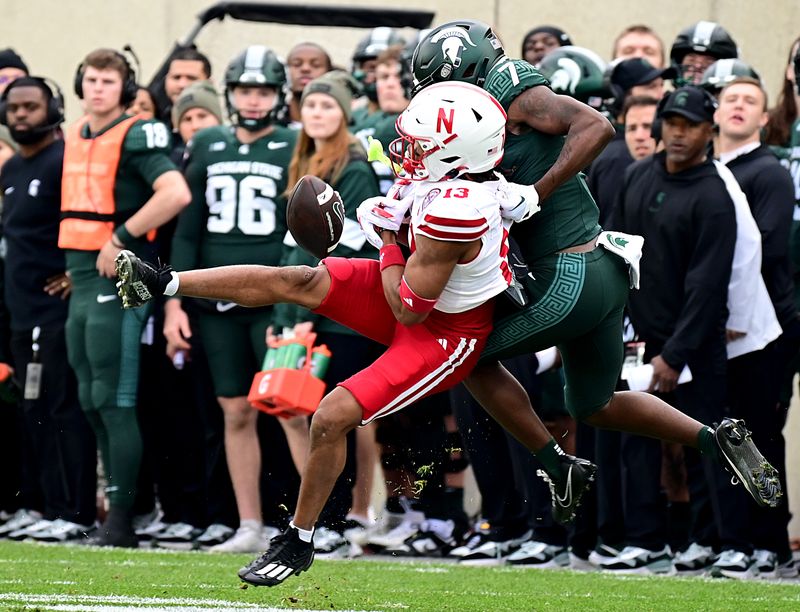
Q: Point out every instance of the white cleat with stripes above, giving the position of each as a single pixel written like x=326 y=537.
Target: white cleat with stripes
x=287 y=555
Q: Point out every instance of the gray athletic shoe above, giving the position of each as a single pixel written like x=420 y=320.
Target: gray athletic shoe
x=748 y=466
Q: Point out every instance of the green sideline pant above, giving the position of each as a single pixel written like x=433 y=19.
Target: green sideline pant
x=103 y=349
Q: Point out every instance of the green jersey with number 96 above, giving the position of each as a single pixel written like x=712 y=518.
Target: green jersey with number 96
x=569 y=217
x=238 y=210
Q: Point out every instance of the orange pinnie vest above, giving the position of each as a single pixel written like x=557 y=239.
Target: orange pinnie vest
x=88 y=209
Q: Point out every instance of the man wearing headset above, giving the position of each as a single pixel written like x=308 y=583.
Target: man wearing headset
x=118 y=186
x=58 y=480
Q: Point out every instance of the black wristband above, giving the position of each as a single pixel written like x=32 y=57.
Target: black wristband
x=123 y=235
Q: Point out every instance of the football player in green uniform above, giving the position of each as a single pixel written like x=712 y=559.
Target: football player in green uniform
x=118 y=186
x=580 y=289
x=392 y=101
x=237 y=176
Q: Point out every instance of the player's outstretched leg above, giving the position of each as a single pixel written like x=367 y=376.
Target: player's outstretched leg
x=741 y=457
x=729 y=442
x=139 y=282
x=288 y=555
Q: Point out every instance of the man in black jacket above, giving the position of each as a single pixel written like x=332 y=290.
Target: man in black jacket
x=57 y=434
x=677 y=201
x=754 y=378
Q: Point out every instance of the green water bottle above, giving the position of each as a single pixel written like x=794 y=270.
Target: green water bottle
x=320 y=358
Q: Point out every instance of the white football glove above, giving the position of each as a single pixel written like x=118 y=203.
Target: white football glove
x=517 y=202
x=381 y=213
x=364 y=220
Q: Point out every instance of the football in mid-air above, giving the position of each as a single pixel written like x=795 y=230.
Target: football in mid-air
x=315 y=216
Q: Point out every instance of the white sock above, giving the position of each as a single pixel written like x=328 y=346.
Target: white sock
x=305 y=534
x=172 y=286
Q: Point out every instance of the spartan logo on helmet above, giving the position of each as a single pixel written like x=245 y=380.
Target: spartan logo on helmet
x=462 y=50
x=452 y=42
x=567 y=76
x=576 y=72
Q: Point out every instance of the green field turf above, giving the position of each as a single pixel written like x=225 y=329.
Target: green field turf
x=75 y=579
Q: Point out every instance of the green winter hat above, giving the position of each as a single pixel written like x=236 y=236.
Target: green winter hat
x=201 y=94
x=339 y=85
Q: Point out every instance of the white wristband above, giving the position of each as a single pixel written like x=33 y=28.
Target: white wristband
x=172 y=286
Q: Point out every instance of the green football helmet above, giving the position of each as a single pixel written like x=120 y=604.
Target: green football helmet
x=256 y=66
x=461 y=50
x=723 y=71
x=369 y=48
x=576 y=72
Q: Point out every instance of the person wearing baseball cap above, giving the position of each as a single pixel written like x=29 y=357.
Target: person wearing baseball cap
x=638 y=77
x=691 y=103
x=682 y=203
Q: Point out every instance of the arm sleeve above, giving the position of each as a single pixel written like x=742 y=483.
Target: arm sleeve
x=707 y=276
x=191 y=221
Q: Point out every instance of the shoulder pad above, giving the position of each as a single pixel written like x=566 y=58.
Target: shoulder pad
x=148 y=135
x=448 y=213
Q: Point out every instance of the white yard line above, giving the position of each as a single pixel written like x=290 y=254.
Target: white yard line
x=124 y=603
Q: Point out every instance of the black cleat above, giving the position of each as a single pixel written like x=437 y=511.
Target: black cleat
x=566 y=494
x=287 y=555
x=116 y=531
x=741 y=457
x=139 y=282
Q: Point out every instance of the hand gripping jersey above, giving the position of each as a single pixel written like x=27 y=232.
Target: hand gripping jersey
x=463 y=211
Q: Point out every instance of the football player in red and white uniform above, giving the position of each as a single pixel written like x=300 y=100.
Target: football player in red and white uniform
x=433 y=311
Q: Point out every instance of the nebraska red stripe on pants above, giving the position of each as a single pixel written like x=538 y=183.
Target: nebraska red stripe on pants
x=421 y=359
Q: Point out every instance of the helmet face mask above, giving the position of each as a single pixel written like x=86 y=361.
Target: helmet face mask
x=256 y=66
x=367 y=51
x=456 y=51
x=449 y=129
x=704 y=38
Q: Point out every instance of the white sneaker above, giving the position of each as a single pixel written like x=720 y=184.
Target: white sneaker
x=601 y=554
x=149 y=530
x=489 y=551
x=733 y=564
x=178 y=536
x=19 y=520
x=636 y=560
x=540 y=555
x=330 y=544
x=579 y=564
x=140 y=521
x=63 y=531
x=380 y=527
x=27 y=532
x=693 y=561
x=245 y=540
x=216 y=533
x=408 y=527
